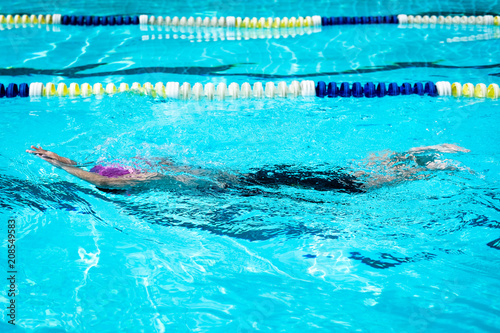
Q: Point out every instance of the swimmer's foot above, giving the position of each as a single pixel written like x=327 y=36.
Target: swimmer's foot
x=442 y=148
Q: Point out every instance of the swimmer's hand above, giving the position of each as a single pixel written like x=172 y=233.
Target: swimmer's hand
x=50 y=157
x=443 y=148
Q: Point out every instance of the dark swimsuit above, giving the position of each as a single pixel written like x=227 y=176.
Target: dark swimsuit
x=338 y=180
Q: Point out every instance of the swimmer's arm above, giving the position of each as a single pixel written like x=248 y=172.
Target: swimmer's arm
x=48 y=155
x=106 y=182
x=392 y=167
x=98 y=180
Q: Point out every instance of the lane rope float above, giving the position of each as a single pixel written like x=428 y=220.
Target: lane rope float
x=305 y=88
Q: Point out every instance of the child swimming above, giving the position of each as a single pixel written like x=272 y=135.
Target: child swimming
x=397 y=166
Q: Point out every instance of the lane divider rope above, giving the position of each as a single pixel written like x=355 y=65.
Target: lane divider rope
x=246 y=22
x=305 y=88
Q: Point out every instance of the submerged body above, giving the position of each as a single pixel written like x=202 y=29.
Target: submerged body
x=394 y=167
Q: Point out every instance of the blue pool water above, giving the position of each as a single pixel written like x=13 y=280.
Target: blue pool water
x=415 y=256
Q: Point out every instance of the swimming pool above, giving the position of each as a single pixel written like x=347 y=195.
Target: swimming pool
x=416 y=256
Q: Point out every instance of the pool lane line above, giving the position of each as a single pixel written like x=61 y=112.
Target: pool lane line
x=315 y=21
x=305 y=88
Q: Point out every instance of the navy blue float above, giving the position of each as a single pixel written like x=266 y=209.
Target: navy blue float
x=321 y=89
x=345 y=90
x=333 y=90
x=12 y=90
x=393 y=89
x=430 y=89
x=406 y=89
x=357 y=90
x=24 y=90
x=418 y=89
x=381 y=89
x=369 y=90
x=2 y=90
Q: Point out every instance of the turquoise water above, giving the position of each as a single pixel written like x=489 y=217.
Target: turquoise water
x=416 y=256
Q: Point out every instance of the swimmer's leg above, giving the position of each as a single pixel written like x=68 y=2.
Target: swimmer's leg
x=392 y=167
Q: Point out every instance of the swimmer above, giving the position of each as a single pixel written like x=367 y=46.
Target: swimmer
x=390 y=167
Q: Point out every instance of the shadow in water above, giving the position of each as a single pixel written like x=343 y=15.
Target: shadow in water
x=221 y=219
